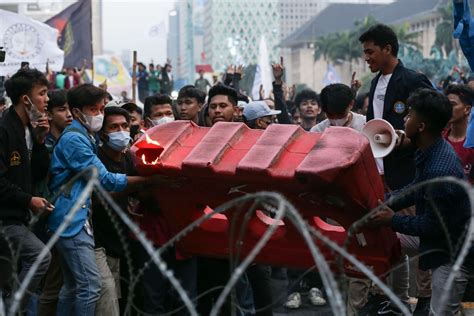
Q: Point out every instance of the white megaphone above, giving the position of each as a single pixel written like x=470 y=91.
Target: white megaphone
x=381 y=135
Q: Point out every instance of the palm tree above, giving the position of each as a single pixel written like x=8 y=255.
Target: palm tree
x=343 y=45
x=323 y=46
x=444 y=30
x=407 y=38
x=364 y=24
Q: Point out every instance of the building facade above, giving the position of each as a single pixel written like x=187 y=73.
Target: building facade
x=421 y=16
x=233 y=29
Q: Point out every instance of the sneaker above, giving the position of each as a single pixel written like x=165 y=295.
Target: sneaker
x=373 y=305
x=388 y=309
x=294 y=301
x=422 y=306
x=316 y=297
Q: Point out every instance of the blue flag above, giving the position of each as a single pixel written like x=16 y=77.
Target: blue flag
x=75 y=33
x=331 y=76
x=464 y=31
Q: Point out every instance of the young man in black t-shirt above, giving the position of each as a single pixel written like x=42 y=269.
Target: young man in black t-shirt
x=114 y=154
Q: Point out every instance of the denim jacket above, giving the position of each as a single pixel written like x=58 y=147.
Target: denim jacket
x=75 y=151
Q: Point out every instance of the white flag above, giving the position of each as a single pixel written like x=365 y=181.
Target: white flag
x=156 y=31
x=263 y=74
x=25 y=39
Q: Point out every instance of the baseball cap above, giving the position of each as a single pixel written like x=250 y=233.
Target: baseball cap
x=258 y=109
x=118 y=103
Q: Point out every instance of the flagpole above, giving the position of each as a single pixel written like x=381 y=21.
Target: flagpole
x=92 y=44
x=134 y=77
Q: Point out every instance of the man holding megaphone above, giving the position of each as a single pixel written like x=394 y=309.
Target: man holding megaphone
x=389 y=92
x=442 y=209
x=388 y=96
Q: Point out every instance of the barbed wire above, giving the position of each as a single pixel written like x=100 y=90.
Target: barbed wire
x=270 y=202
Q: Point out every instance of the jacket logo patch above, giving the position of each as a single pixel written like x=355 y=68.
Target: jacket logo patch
x=15 y=159
x=399 y=107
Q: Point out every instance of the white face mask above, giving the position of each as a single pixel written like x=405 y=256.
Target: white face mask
x=94 y=123
x=163 y=120
x=118 y=141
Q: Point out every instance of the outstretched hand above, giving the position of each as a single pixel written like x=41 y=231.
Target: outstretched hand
x=239 y=69
x=278 y=70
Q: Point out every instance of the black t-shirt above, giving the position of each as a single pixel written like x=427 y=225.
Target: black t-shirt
x=105 y=233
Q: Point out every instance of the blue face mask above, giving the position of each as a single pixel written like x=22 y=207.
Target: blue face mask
x=119 y=141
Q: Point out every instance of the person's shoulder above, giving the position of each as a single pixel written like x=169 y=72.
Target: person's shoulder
x=445 y=161
x=358 y=116
x=320 y=127
x=8 y=122
x=415 y=78
x=73 y=135
x=358 y=121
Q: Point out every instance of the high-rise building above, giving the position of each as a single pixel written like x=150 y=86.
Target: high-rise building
x=233 y=30
x=293 y=13
x=182 y=40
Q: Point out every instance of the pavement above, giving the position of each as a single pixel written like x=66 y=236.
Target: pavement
x=279 y=287
x=307 y=309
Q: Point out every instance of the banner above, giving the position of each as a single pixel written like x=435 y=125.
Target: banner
x=110 y=69
x=75 y=33
x=331 y=76
x=25 y=39
x=263 y=75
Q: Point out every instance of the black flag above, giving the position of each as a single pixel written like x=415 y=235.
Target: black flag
x=75 y=33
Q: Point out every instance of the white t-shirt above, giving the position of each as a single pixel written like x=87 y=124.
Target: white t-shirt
x=71 y=81
x=29 y=141
x=357 y=123
x=378 y=104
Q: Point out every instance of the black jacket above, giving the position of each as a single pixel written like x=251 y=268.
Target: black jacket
x=280 y=104
x=17 y=173
x=399 y=166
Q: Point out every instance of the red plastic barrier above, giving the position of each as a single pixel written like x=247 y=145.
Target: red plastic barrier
x=331 y=175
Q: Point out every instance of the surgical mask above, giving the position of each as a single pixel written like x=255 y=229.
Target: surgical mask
x=163 y=120
x=118 y=141
x=94 y=123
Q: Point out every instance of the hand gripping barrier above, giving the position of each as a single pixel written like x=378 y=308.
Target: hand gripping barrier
x=332 y=175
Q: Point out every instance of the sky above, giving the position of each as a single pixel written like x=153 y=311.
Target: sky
x=126 y=25
x=127 y=22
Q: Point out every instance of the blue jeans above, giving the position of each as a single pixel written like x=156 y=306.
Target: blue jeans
x=438 y=280
x=81 y=288
x=27 y=248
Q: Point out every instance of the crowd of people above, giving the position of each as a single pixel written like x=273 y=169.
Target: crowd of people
x=48 y=136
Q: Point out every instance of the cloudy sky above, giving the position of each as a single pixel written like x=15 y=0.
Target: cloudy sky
x=143 y=24
x=137 y=25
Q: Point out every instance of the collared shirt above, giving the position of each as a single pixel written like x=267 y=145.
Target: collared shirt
x=447 y=199
x=49 y=142
x=74 y=152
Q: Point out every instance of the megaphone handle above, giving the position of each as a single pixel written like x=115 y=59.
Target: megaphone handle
x=400 y=137
x=382 y=138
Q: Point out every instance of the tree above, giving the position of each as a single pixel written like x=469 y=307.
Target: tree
x=444 y=30
x=324 y=46
x=343 y=46
x=406 y=38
